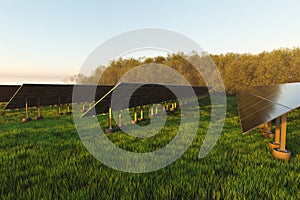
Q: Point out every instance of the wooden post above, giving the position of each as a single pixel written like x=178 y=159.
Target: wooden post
x=276 y=143
x=277 y=131
x=156 y=110
x=26 y=109
x=58 y=111
x=281 y=152
x=110 y=117
x=38 y=108
x=142 y=113
x=120 y=119
x=26 y=119
x=39 y=112
x=265 y=130
x=269 y=126
x=166 y=107
x=283 y=133
x=135 y=115
x=266 y=127
x=39 y=116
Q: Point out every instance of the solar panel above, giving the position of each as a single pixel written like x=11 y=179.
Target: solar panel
x=284 y=94
x=7 y=92
x=255 y=111
x=139 y=94
x=51 y=94
x=258 y=105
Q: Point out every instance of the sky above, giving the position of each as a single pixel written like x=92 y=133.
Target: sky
x=48 y=41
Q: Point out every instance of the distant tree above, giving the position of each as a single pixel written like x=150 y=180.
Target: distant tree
x=238 y=71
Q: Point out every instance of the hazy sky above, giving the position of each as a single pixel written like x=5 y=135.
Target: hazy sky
x=47 y=41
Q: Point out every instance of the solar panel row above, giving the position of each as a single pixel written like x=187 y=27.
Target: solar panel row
x=7 y=92
x=51 y=94
x=137 y=94
x=260 y=105
x=127 y=95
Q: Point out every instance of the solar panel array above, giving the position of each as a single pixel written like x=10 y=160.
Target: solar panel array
x=261 y=104
x=7 y=92
x=51 y=94
x=140 y=94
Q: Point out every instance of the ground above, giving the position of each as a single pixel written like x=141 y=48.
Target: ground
x=46 y=159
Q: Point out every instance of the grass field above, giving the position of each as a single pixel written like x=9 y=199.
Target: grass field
x=46 y=160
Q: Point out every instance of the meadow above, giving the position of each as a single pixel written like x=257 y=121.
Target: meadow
x=46 y=160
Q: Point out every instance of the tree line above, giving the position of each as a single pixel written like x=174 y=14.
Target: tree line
x=238 y=71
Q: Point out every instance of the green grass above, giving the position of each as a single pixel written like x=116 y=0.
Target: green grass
x=46 y=160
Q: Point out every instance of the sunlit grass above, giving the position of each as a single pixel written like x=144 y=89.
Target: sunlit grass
x=46 y=159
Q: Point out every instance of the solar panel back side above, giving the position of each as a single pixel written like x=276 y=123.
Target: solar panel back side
x=51 y=94
x=127 y=95
x=7 y=92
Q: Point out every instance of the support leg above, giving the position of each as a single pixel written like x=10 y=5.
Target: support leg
x=110 y=129
x=135 y=115
x=39 y=111
x=59 y=107
x=167 y=107
x=134 y=121
x=68 y=110
x=120 y=119
x=26 y=109
x=265 y=129
x=277 y=132
x=281 y=152
x=276 y=143
x=39 y=116
x=110 y=118
x=27 y=118
x=172 y=107
x=83 y=108
x=283 y=133
x=270 y=134
x=59 y=110
x=142 y=113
